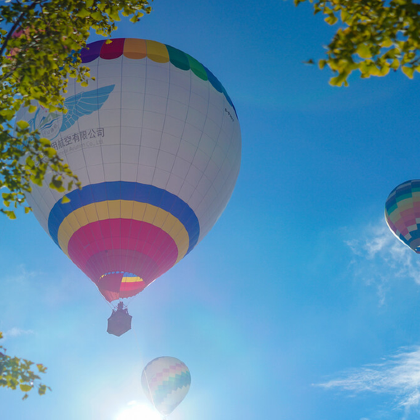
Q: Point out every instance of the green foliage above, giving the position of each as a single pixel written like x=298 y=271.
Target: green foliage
x=16 y=373
x=36 y=62
x=376 y=36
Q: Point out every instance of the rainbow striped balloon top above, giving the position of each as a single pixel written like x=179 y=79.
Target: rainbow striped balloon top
x=138 y=49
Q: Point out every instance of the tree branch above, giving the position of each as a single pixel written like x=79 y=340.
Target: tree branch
x=15 y=26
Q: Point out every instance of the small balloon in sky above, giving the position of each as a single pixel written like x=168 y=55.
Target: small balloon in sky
x=156 y=143
x=165 y=381
x=402 y=213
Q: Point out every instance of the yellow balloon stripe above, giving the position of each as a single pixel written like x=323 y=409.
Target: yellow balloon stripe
x=403 y=205
x=157 y=51
x=123 y=209
x=131 y=279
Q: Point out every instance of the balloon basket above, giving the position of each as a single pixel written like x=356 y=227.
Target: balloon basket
x=120 y=321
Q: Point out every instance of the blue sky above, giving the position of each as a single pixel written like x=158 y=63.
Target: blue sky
x=299 y=304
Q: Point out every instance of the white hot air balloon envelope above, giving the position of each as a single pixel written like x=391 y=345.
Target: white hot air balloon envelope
x=166 y=381
x=155 y=141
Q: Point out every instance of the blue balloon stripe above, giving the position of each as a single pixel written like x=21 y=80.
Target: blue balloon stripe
x=170 y=385
x=391 y=206
x=131 y=191
x=415 y=234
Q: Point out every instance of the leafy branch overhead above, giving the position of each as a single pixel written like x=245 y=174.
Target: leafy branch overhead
x=38 y=40
x=16 y=373
x=376 y=36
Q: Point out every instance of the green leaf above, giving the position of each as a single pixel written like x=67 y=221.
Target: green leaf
x=408 y=71
x=96 y=15
x=339 y=80
x=42 y=389
x=10 y=214
x=57 y=184
x=331 y=19
x=41 y=368
x=30 y=162
x=322 y=63
x=44 y=141
x=386 y=43
x=344 y=15
x=50 y=152
x=22 y=124
x=395 y=64
x=83 y=13
x=25 y=388
x=384 y=70
x=363 y=51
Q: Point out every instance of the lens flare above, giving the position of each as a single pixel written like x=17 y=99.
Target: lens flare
x=137 y=411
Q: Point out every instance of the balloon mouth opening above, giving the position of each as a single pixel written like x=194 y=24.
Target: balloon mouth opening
x=126 y=276
x=115 y=285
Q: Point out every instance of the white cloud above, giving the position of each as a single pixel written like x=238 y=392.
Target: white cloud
x=15 y=332
x=380 y=257
x=398 y=375
x=21 y=275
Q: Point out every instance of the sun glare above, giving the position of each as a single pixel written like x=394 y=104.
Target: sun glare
x=137 y=411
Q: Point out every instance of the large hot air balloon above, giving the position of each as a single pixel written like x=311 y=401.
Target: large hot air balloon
x=402 y=213
x=166 y=381
x=155 y=141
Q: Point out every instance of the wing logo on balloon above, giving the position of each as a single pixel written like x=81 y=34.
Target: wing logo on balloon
x=50 y=125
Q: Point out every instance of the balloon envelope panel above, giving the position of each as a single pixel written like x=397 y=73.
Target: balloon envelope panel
x=156 y=143
x=166 y=381
x=402 y=213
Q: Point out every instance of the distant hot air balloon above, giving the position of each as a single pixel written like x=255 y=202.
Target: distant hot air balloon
x=156 y=143
x=402 y=213
x=166 y=381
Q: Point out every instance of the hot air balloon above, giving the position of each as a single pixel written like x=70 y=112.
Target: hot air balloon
x=156 y=143
x=402 y=213
x=166 y=381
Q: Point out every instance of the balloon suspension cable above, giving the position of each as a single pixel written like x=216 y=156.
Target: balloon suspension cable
x=103 y=297
x=129 y=300
x=109 y=303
